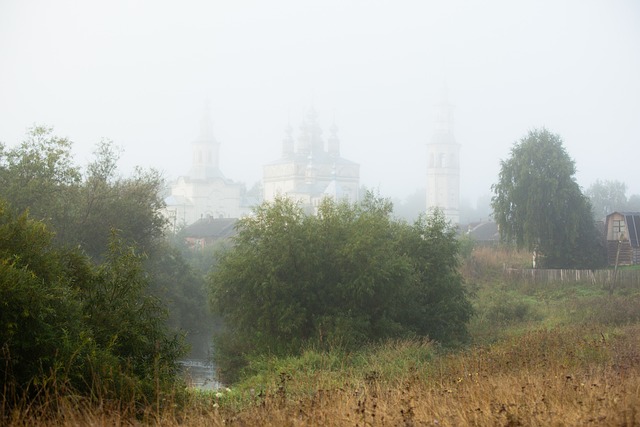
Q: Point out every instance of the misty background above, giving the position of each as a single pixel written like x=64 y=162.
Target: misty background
x=140 y=72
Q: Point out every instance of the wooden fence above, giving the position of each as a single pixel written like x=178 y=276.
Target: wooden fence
x=627 y=277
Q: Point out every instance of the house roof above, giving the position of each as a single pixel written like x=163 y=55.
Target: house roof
x=633 y=225
x=218 y=228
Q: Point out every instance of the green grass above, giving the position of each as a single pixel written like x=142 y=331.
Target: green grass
x=629 y=267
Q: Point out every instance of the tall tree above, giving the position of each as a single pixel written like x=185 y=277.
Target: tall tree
x=539 y=206
x=40 y=175
x=82 y=208
x=607 y=197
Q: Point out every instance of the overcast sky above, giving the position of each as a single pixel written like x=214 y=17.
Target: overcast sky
x=140 y=72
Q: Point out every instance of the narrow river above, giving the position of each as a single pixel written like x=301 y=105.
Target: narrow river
x=200 y=374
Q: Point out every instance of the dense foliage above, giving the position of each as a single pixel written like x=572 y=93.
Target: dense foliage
x=349 y=275
x=87 y=273
x=539 y=206
x=68 y=323
x=81 y=206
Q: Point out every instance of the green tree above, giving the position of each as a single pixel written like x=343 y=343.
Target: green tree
x=40 y=315
x=349 y=275
x=39 y=175
x=539 y=206
x=82 y=208
x=107 y=201
x=607 y=197
x=127 y=320
x=118 y=323
x=436 y=303
x=76 y=326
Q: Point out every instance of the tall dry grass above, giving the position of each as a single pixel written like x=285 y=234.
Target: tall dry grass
x=487 y=263
x=579 y=375
x=575 y=376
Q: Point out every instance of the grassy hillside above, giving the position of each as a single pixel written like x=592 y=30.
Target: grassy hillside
x=542 y=354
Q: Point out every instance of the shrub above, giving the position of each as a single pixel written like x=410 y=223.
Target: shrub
x=73 y=326
x=345 y=277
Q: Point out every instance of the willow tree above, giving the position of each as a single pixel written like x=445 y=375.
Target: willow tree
x=539 y=206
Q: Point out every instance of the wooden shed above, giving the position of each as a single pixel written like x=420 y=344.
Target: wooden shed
x=623 y=237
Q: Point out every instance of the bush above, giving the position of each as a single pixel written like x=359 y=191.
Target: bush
x=68 y=324
x=343 y=278
x=506 y=311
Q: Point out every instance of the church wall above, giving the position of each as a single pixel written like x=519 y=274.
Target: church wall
x=291 y=180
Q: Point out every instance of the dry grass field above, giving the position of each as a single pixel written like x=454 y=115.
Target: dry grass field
x=573 y=376
x=544 y=363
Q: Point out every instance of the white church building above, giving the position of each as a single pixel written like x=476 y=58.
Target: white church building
x=311 y=170
x=205 y=192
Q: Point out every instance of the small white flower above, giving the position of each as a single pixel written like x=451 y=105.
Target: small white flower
x=218 y=395
x=227 y=389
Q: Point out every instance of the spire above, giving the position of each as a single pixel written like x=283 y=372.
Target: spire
x=206 y=150
x=315 y=132
x=443 y=113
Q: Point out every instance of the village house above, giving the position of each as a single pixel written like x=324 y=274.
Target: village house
x=623 y=234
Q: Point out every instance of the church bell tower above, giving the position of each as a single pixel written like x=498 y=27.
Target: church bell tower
x=206 y=151
x=443 y=171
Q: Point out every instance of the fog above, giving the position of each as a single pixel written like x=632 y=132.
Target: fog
x=140 y=72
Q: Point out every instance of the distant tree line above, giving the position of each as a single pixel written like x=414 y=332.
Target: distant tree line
x=611 y=196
